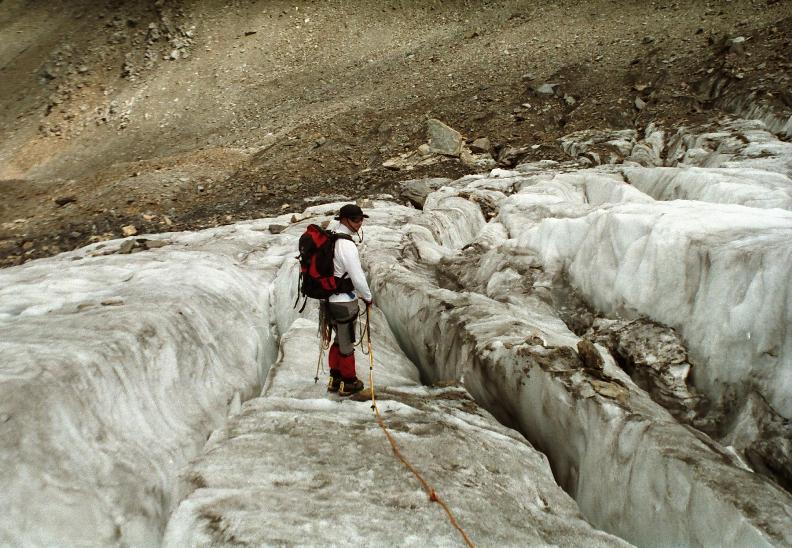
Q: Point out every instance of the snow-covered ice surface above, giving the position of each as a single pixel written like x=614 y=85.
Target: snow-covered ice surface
x=116 y=368
x=299 y=466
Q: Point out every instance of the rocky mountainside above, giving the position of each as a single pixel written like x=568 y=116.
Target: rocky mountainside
x=132 y=116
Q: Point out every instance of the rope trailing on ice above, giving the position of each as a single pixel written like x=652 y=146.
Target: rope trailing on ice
x=433 y=496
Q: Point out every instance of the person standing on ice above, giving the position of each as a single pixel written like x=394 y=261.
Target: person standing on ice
x=342 y=308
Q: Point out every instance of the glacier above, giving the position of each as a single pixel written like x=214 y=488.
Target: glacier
x=321 y=470
x=167 y=396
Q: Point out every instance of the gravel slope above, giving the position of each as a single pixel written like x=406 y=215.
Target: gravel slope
x=181 y=115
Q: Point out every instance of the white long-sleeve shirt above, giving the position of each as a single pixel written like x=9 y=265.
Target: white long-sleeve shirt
x=347 y=260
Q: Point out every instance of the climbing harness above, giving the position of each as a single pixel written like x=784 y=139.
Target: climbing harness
x=326 y=335
x=433 y=496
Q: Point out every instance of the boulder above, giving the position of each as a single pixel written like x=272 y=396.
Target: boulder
x=482 y=144
x=443 y=139
x=510 y=156
x=477 y=161
x=63 y=200
x=416 y=190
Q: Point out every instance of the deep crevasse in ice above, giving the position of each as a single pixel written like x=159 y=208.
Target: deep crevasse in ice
x=714 y=262
x=603 y=435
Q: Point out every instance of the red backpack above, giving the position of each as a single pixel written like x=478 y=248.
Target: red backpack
x=317 y=249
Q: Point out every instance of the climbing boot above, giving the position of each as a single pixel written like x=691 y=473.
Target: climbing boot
x=347 y=388
x=333 y=383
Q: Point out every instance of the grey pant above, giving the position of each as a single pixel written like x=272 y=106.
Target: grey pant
x=343 y=316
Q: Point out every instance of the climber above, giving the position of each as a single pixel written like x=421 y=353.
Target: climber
x=341 y=309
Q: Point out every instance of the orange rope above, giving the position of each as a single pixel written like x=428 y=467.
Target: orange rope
x=433 y=496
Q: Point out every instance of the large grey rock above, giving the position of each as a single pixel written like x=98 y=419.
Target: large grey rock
x=126 y=247
x=510 y=156
x=63 y=200
x=482 y=144
x=416 y=190
x=443 y=139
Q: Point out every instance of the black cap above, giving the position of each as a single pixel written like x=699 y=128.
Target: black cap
x=350 y=211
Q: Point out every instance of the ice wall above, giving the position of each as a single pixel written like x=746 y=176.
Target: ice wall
x=115 y=368
x=718 y=273
x=750 y=187
x=712 y=260
x=603 y=435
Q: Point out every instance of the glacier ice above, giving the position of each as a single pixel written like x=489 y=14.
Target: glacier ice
x=750 y=187
x=719 y=274
x=114 y=370
x=169 y=392
x=517 y=358
x=295 y=466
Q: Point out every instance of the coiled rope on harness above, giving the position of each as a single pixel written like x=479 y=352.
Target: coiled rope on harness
x=325 y=335
x=433 y=496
